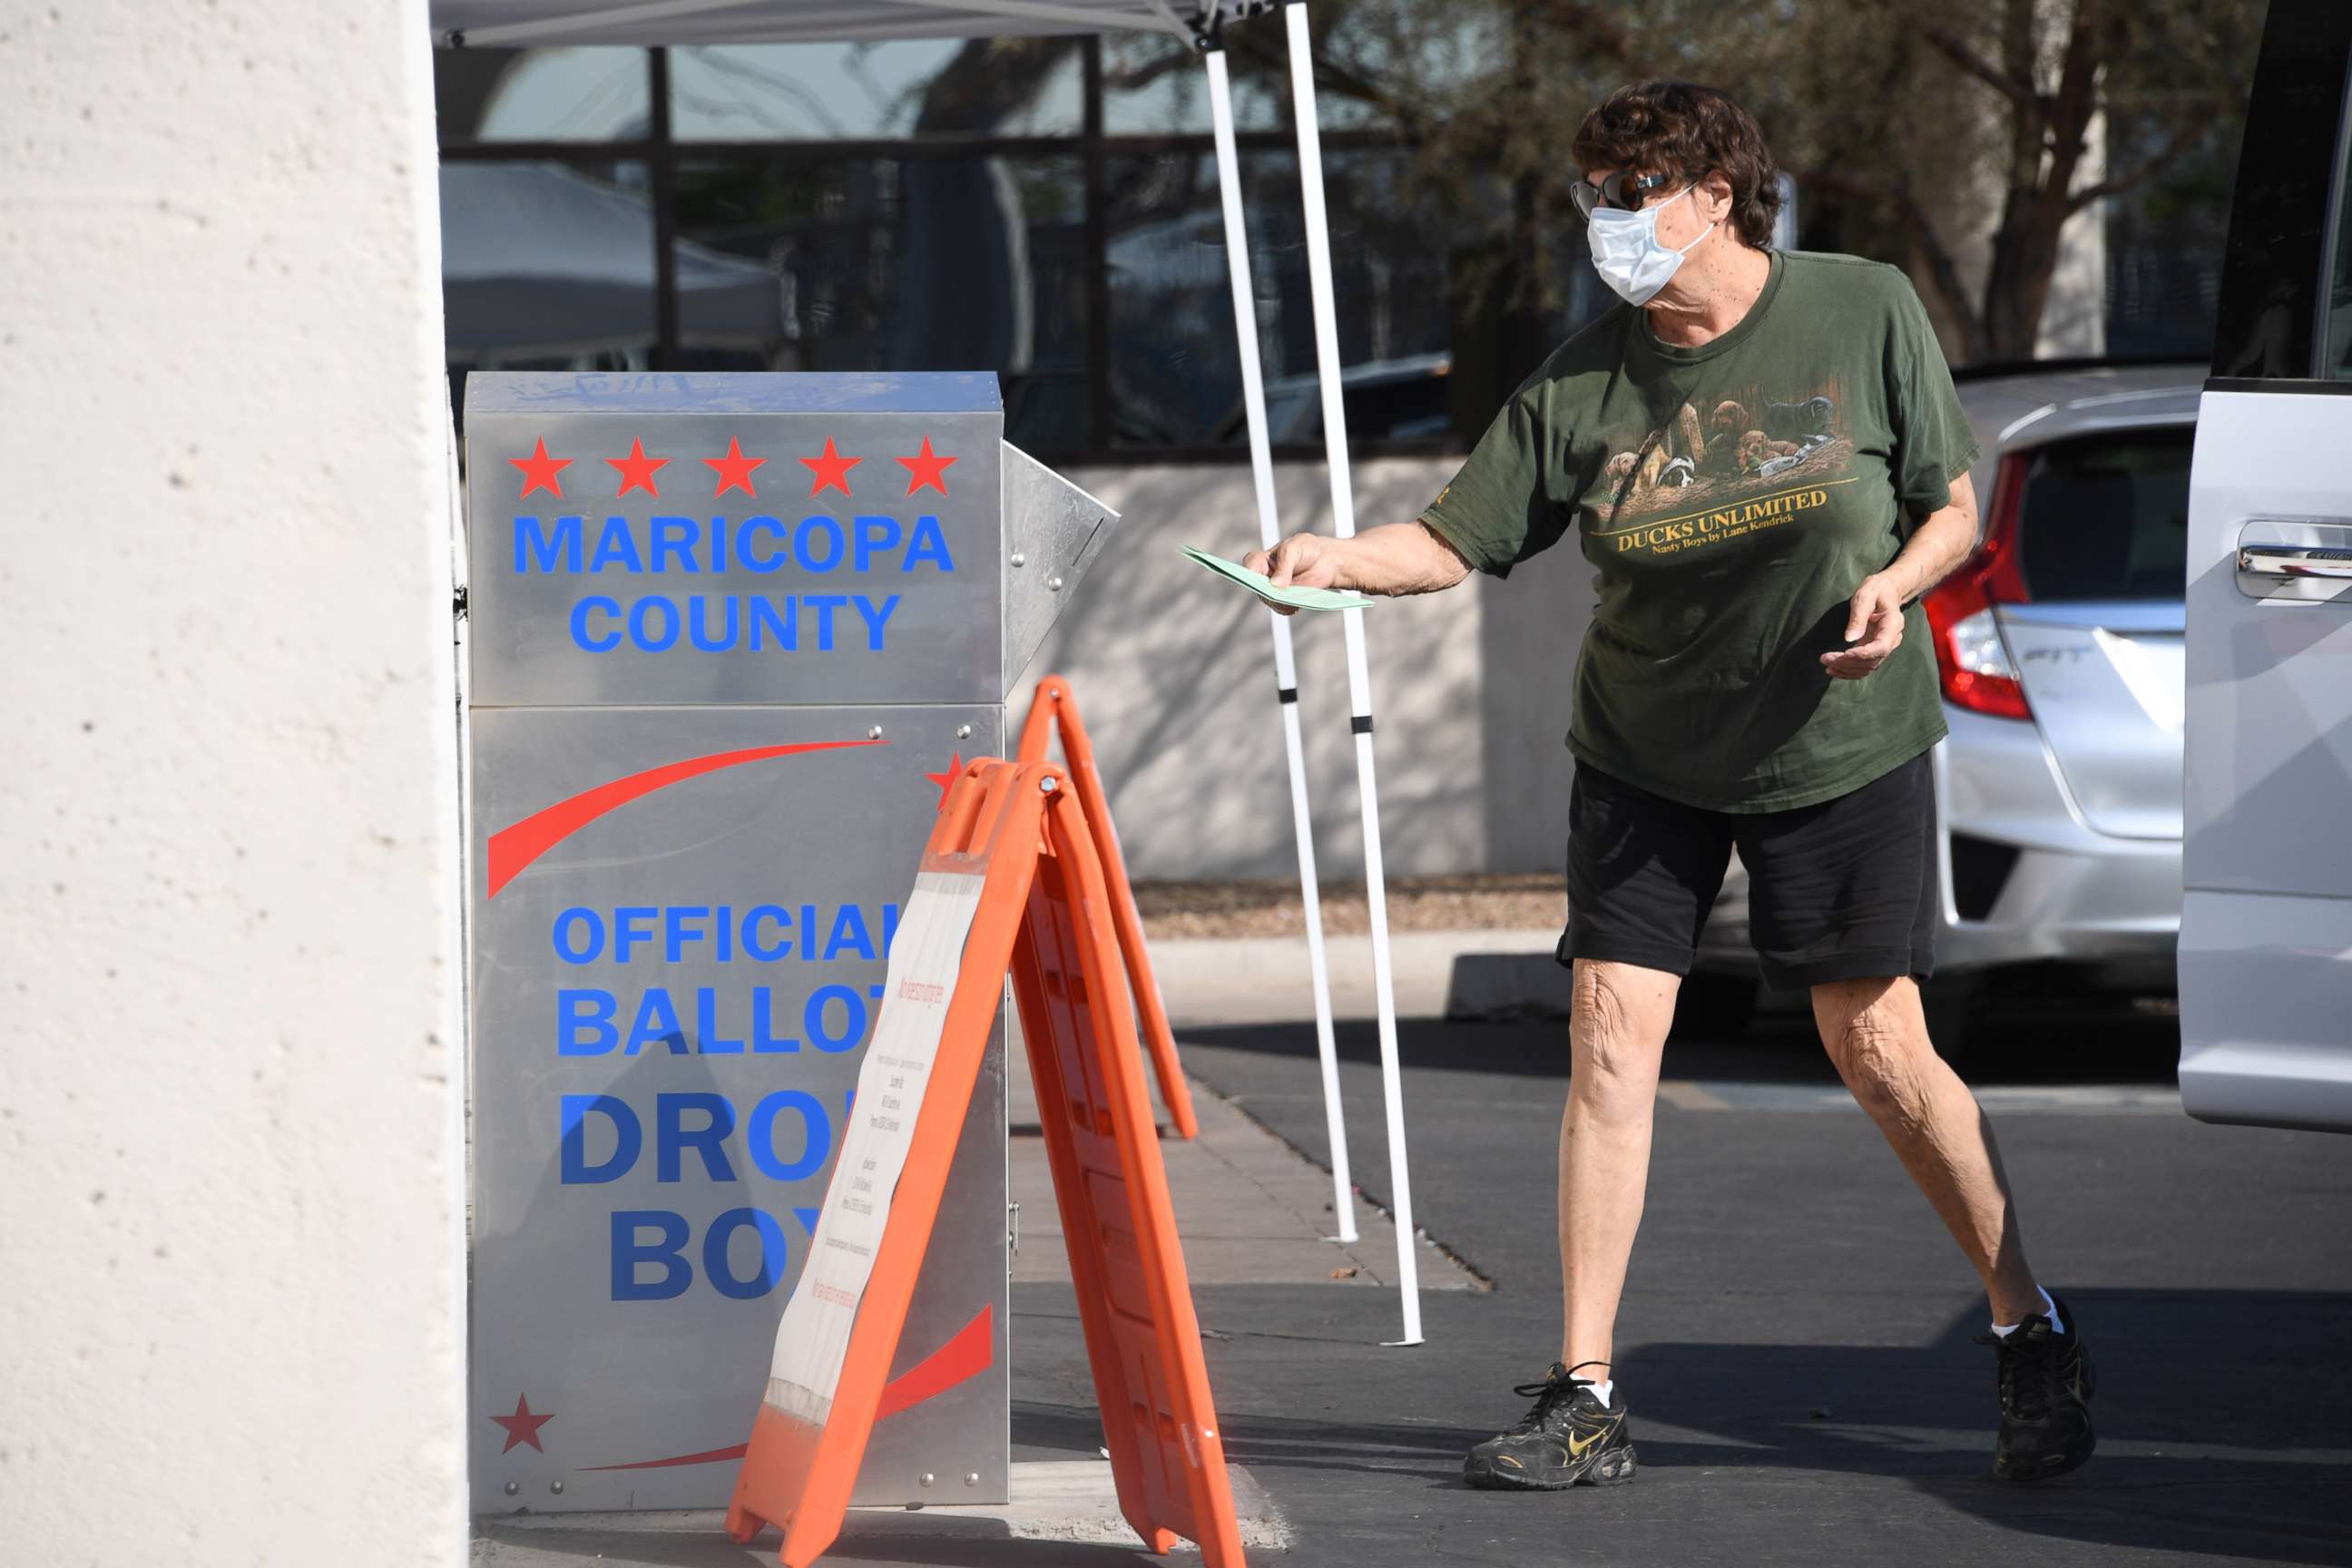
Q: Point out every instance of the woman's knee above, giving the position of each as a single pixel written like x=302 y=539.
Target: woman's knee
x=1877 y=1044
x=1618 y=1028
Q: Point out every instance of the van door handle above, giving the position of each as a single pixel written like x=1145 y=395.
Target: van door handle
x=2294 y=560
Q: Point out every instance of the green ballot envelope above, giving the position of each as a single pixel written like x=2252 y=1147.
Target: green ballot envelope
x=1290 y=598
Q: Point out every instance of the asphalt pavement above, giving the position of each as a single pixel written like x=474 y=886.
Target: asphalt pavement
x=1796 y=1338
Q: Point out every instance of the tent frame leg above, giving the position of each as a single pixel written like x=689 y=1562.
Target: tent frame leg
x=1286 y=669
x=1359 y=682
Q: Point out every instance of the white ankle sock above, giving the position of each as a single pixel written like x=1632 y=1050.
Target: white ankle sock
x=2048 y=1306
x=1601 y=1391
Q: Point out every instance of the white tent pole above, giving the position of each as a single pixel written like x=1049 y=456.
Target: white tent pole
x=1360 y=680
x=1286 y=671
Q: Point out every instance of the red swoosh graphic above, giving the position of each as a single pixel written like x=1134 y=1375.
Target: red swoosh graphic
x=512 y=848
x=966 y=1355
x=961 y=1357
x=737 y=1452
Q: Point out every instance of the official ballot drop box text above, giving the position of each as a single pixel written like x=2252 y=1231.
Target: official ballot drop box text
x=728 y=636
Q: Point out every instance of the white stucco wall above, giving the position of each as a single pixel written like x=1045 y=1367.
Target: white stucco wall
x=1174 y=672
x=231 y=1325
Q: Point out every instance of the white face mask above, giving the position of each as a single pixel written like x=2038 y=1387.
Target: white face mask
x=1626 y=252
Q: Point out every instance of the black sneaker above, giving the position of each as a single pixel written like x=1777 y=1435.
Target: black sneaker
x=2045 y=1384
x=1568 y=1439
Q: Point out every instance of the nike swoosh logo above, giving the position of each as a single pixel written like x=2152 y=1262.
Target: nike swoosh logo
x=1576 y=1450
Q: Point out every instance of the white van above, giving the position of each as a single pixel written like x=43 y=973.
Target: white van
x=2266 y=917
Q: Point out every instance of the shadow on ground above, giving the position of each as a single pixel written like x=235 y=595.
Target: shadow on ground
x=2106 y=1046
x=974 y=1552
x=2220 y=1416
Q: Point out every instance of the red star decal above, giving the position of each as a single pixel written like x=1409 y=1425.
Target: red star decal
x=541 y=472
x=523 y=1426
x=831 y=471
x=925 y=468
x=946 y=781
x=638 y=470
x=734 y=469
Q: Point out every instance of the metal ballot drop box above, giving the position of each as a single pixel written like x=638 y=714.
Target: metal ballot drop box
x=726 y=638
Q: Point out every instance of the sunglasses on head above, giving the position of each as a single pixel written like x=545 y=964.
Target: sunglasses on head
x=1621 y=190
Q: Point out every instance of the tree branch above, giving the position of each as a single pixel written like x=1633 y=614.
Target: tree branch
x=1132 y=76
x=2185 y=133
x=1956 y=50
x=1254 y=48
x=1598 y=33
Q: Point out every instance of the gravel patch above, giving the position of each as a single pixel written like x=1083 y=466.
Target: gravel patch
x=1175 y=911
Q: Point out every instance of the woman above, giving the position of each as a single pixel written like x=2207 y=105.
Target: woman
x=1763 y=456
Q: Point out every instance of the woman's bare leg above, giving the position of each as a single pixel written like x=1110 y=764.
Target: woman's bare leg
x=1617 y=1035
x=1877 y=1036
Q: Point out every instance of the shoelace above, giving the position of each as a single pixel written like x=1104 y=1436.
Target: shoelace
x=1549 y=1394
x=2030 y=1378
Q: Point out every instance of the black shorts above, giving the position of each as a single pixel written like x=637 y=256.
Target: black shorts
x=1843 y=889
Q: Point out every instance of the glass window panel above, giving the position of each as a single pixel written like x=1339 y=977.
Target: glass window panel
x=541 y=95
x=1175 y=375
x=1154 y=85
x=761 y=92
x=794 y=263
x=2107 y=517
x=546 y=267
x=2163 y=237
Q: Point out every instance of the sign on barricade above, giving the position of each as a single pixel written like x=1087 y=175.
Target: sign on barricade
x=1010 y=885
x=1055 y=711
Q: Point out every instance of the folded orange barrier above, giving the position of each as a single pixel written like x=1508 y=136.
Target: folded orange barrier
x=1056 y=708
x=1011 y=884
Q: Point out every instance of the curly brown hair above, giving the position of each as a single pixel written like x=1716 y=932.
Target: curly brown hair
x=1685 y=130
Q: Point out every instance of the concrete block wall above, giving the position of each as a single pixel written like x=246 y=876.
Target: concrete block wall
x=232 y=1323
x=1174 y=670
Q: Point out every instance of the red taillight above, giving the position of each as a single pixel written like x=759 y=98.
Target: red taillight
x=1971 y=661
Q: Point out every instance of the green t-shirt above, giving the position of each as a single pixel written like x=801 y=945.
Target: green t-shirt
x=1733 y=497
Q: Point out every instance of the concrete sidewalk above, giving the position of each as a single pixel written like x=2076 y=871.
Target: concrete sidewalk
x=1059 y=1506
x=1252 y=1210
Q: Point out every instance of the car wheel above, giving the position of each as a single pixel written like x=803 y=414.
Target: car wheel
x=1714 y=1006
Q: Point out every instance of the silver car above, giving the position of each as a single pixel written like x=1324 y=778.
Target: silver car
x=2058 y=647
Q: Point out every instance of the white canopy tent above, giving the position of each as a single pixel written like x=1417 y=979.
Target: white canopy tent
x=544 y=22
x=501 y=23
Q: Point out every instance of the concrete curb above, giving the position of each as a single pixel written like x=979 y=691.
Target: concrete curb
x=1054 y=1500
x=1448 y=974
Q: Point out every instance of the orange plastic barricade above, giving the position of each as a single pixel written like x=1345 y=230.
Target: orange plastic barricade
x=1056 y=708
x=1134 y=1299
x=1012 y=850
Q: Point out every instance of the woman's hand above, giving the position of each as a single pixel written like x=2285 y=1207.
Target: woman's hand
x=1877 y=619
x=1302 y=560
